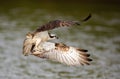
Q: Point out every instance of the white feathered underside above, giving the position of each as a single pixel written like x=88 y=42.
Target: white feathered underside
x=70 y=57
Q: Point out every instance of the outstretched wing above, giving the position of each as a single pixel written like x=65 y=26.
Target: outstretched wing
x=67 y=55
x=59 y=23
x=55 y=24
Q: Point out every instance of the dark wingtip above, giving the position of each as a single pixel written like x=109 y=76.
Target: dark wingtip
x=77 y=23
x=87 y=18
x=89 y=59
x=87 y=55
x=83 y=50
x=88 y=63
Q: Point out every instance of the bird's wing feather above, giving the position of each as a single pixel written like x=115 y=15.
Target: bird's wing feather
x=59 y=23
x=55 y=24
x=70 y=57
x=67 y=55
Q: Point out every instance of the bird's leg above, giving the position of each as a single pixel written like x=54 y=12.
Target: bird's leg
x=36 y=52
x=39 y=53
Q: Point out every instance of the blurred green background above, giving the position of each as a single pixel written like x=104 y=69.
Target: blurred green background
x=100 y=35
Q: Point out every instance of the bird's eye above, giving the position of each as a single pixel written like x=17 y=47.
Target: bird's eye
x=52 y=36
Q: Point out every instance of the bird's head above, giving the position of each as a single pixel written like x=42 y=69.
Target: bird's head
x=52 y=36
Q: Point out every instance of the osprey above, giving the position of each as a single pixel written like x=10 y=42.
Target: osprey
x=37 y=44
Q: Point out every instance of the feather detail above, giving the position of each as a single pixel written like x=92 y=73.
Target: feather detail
x=71 y=56
x=60 y=23
x=55 y=24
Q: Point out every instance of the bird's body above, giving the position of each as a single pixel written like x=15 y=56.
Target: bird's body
x=37 y=44
x=35 y=39
x=41 y=34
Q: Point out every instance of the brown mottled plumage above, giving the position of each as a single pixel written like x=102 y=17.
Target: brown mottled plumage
x=61 y=46
x=55 y=24
x=59 y=23
x=64 y=54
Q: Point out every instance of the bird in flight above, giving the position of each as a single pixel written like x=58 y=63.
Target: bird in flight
x=36 y=43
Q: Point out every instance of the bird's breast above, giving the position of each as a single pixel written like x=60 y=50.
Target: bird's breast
x=47 y=46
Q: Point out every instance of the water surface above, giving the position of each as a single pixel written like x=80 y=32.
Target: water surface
x=100 y=35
